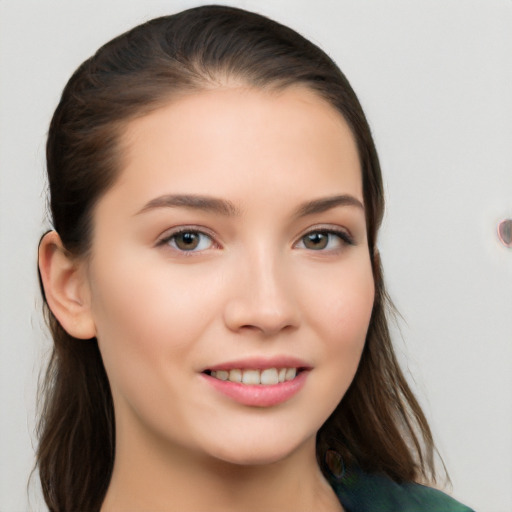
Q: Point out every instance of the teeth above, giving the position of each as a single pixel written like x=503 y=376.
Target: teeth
x=251 y=377
x=222 y=375
x=235 y=376
x=269 y=376
x=290 y=373
x=266 y=377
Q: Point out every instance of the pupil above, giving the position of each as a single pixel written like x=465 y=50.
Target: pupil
x=187 y=240
x=316 y=240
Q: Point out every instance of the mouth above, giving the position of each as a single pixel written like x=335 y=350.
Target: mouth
x=254 y=377
x=259 y=381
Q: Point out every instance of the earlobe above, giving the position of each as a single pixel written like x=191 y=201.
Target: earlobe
x=65 y=287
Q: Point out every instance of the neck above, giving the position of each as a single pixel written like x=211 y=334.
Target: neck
x=152 y=475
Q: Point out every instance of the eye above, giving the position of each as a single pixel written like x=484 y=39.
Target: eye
x=324 y=240
x=188 y=240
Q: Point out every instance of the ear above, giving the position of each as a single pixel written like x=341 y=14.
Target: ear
x=66 y=287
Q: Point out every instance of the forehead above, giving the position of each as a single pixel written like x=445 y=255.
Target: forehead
x=219 y=140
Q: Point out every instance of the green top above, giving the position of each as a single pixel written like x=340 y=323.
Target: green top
x=363 y=492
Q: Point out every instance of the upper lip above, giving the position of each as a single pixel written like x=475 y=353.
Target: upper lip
x=261 y=363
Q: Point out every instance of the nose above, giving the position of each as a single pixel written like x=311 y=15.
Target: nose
x=262 y=297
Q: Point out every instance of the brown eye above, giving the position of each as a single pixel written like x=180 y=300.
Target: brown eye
x=325 y=240
x=189 y=241
x=316 y=241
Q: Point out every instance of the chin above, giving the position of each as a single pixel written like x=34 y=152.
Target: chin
x=261 y=450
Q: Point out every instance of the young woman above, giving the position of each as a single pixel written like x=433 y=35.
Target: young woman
x=213 y=284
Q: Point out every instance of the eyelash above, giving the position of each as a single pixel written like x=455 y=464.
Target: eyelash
x=168 y=238
x=343 y=236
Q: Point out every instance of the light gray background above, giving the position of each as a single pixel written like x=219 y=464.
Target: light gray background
x=435 y=79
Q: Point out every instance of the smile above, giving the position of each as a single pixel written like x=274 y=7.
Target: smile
x=266 y=377
x=258 y=388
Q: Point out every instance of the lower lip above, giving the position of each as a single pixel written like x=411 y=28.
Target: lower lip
x=258 y=395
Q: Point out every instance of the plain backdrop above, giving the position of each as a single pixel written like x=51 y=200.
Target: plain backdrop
x=435 y=79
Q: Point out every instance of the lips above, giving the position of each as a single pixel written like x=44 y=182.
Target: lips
x=258 y=382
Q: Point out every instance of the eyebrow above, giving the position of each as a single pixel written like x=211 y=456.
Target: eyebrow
x=204 y=203
x=228 y=209
x=327 y=203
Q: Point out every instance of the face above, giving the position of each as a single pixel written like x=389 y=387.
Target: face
x=232 y=248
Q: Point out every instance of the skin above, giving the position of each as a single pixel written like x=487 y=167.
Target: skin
x=254 y=286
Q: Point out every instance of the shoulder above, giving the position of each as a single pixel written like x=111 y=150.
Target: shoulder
x=363 y=492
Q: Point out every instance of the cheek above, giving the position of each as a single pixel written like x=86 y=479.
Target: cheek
x=338 y=315
x=150 y=322
x=341 y=320
x=146 y=314
x=343 y=303
x=350 y=311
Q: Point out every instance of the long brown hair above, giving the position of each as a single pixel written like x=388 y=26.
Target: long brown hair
x=378 y=425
